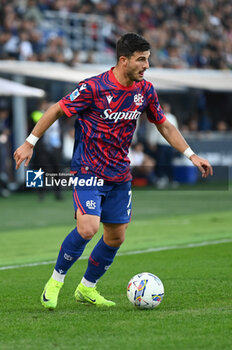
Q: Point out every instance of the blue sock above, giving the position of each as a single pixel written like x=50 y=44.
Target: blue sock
x=100 y=260
x=71 y=249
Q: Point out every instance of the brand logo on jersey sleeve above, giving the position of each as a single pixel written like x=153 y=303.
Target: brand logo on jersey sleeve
x=76 y=92
x=138 y=99
x=83 y=87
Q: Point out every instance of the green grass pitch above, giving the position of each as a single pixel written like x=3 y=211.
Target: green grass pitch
x=196 y=310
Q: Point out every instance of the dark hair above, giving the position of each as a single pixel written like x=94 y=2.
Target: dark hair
x=130 y=43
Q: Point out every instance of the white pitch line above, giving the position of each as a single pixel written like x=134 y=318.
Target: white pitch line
x=134 y=252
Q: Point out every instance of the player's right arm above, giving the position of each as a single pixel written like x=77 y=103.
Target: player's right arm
x=25 y=151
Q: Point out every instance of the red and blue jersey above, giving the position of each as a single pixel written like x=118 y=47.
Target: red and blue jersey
x=106 y=115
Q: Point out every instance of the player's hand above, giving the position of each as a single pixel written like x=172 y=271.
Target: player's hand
x=22 y=153
x=203 y=165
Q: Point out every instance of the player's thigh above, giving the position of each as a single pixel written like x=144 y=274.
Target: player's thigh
x=87 y=206
x=116 y=206
x=114 y=234
x=87 y=225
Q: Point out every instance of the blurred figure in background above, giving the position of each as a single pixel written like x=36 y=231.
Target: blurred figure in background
x=142 y=165
x=4 y=149
x=222 y=126
x=193 y=123
x=48 y=154
x=164 y=152
x=204 y=123
x=68 y=144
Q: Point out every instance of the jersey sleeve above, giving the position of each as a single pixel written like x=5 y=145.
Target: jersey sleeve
x=154 y=111
x=78 y=100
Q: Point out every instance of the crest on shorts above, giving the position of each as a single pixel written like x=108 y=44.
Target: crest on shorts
x=91 y=204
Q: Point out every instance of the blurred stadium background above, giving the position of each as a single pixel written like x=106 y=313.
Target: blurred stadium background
x=50 y=46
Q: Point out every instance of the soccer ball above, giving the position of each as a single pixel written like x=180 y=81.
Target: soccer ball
x=145 y=291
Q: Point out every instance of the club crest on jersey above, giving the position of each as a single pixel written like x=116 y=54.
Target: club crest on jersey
x=76 y=92
x=138 y=99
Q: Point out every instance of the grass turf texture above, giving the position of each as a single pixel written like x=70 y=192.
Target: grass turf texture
x=196 y=310
x=195 y=313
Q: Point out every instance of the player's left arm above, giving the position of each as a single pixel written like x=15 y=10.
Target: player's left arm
x=176 y=140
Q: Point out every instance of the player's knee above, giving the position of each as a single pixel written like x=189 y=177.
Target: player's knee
x=119 y=241
x=87 y=225
x=87 y=231
x=115 y=241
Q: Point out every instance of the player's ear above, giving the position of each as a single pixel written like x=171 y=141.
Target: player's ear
x=123 y=60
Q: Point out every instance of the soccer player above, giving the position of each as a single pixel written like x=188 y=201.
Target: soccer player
x=106 y=108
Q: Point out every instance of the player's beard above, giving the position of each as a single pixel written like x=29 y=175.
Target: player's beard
x=133 y=76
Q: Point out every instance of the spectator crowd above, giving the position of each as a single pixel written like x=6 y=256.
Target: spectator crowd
x=183 y=33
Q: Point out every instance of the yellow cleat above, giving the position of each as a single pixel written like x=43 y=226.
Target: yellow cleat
x=89 y=295
x=50 y=293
